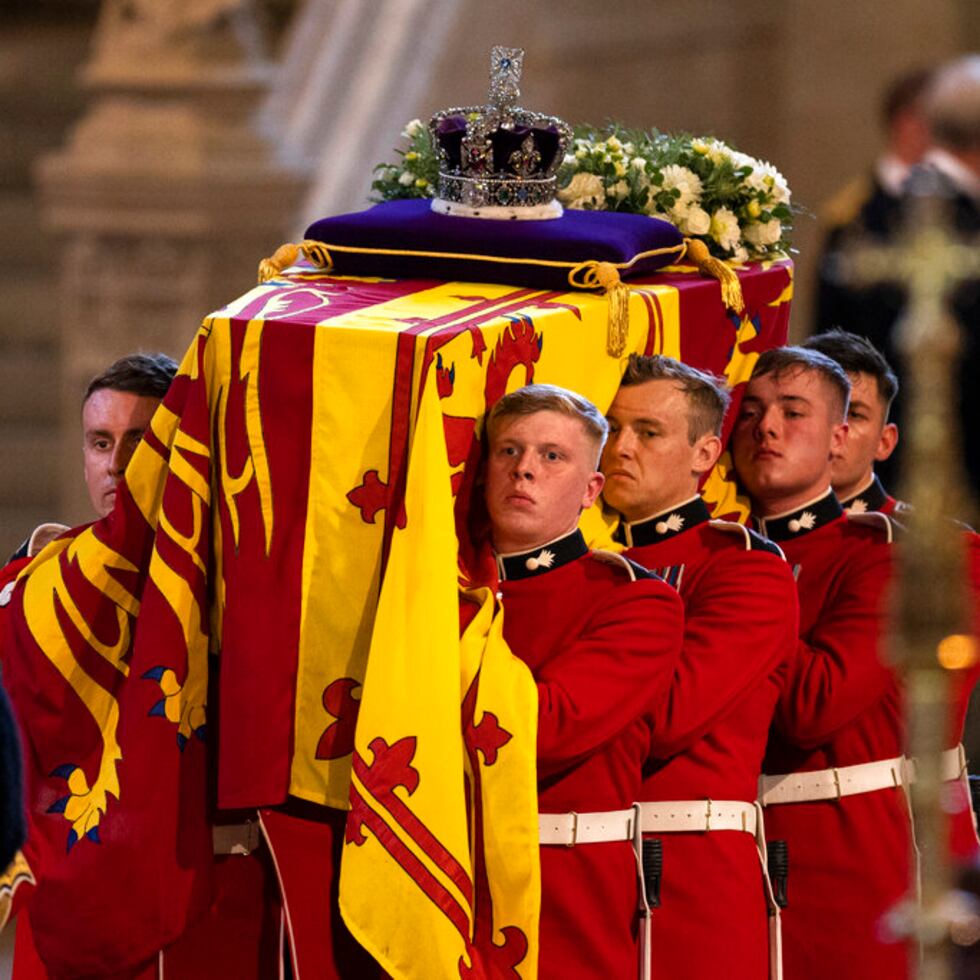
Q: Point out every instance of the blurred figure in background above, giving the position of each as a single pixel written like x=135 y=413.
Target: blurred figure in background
x=870 y=206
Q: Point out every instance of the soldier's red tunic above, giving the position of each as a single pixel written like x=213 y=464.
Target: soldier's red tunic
x=740 y=628
x=964 y=844
x=848 y=858
x=602 y=649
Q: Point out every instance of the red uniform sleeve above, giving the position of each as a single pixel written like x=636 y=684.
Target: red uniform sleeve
x=616 y=670
x=740 y=623
x=839 y=668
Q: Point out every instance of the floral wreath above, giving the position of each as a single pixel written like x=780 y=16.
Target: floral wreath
x=737 y=205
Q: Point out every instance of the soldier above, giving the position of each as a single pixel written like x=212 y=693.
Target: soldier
x=873 y=385
x=241 y=926
x=834 y=789
x=871 y=438
x=741 y=623
x=601 y=637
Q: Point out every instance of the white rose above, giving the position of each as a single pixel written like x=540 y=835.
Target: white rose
x=406 y=178
x=741 y=254
x=761 y=233
x=583 y=191
x=638 y=163
x=569 y=158
x=412 y=129
x=684 y=180
x=724 y=229
x=692 y=220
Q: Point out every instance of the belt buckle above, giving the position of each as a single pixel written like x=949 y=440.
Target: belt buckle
x=574 y=839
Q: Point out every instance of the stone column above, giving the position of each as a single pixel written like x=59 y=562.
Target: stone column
x=166 y=195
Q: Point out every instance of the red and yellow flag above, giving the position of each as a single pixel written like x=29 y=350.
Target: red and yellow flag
x=290 y=510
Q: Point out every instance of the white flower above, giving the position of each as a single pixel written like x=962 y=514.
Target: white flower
x=684 y=180
x=761 y=233
x=406 y=178
x=741 y=254
x=691 y=220
x=724 y=229
x=614 y=144
x=780 y=189
x=628 y=148
x=638 y=163
x=568 y=158
x=581 y=153
x=412 y=129
x=619 y=190
x=718 y=151
x=584 y=191
x=740 y=160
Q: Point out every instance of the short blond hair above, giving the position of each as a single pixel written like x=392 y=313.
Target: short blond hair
x=532 y=399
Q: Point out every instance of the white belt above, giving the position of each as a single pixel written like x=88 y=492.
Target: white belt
x=832 y=784
x=569 y=829
x=697 y=815
x=952 y=765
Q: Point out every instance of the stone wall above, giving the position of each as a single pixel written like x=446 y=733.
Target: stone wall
x=148 y=228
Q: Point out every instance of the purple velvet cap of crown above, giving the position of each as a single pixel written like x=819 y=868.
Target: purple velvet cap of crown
x=505 y=142
x=577 y=236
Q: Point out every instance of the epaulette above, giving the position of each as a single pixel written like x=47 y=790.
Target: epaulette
x=632 y=568
x=752 y=539
x=874 y=518
x=846 y=204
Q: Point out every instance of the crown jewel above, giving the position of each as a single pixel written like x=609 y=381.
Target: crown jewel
x=499 y=160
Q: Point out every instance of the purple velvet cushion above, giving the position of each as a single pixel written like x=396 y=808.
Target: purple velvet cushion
x=412 y=226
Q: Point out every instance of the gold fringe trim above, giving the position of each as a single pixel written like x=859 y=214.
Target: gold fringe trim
x=708 y=265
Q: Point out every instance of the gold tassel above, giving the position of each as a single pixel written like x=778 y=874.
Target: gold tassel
x=605 y=276
x=286 y=255
x=708 y=265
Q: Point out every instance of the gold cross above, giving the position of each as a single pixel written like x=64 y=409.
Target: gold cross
x=932 y=600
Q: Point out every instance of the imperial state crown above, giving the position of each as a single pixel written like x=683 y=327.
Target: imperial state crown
x=499 y=160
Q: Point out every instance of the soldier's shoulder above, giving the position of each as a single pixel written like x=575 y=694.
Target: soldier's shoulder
x=874 y=524
x=622 y=567
x=745 y=539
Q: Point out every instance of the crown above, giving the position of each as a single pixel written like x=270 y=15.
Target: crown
x=499 y=160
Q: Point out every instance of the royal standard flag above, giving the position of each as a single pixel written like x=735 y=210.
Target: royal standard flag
x=417 y=820
x=260 y=520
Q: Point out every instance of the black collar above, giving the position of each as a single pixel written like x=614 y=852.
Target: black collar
x=872 y=497
x=545 y=558
x=796 y=523
x=664 y=525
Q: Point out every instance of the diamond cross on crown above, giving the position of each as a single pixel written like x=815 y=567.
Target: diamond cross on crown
x=506 y=66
